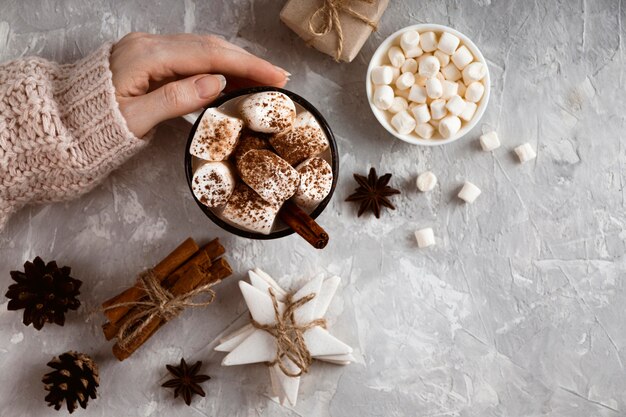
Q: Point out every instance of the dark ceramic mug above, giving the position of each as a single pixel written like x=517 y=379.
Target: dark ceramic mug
x=283 y=230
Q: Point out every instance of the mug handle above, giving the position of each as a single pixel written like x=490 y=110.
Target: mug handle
x=192 y=117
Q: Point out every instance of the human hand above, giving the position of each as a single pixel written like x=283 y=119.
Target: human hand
x=159 y=77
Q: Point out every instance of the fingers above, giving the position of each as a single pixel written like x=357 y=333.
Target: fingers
x=168 y=57
x=171 y=100
x=235 y=83
x=210 y=39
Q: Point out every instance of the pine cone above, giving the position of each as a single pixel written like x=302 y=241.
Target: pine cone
x=74 y=379
x=45 y=292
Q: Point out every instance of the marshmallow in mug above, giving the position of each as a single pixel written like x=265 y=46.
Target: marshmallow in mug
x=316 y=181
x=269 y=175
x=213 y=183
x=304 y=140
x=268 y=112
x=247 y=210
x=216 y=136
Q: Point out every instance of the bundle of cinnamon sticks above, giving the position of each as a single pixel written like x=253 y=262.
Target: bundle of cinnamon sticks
x=185 y=269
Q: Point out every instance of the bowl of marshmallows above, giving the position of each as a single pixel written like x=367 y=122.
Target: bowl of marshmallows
x=428 y=84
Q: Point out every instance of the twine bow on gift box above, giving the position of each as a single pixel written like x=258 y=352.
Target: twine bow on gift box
x=160 y=303
x=289 y=335
x=326 y=18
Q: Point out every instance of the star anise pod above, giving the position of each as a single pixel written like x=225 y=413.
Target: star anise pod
x=186 y=380
x=373 y=193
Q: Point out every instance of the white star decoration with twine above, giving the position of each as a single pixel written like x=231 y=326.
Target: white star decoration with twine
x=286 y=332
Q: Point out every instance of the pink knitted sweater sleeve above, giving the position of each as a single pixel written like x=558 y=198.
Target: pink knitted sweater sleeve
x=61 y=131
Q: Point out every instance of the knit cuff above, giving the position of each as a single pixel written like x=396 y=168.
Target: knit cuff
x=101 y=140
x=6 y=209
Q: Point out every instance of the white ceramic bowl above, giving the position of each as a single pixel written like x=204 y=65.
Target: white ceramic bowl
x=384 y=116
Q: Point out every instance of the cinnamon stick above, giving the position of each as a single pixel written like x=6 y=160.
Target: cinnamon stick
x=218 y=271
x=304 y=225
x=164 y=268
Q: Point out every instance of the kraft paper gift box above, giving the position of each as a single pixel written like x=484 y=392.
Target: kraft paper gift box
x=357 y=20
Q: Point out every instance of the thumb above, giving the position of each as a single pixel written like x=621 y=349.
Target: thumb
x=172 y=100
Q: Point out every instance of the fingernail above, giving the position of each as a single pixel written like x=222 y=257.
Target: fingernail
x=287 y=73
x=210 y=85
x=222 y=81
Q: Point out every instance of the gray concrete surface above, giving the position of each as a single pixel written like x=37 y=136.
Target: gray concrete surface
x=518 y=311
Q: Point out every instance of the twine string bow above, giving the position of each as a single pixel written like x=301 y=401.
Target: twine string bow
x=160 y=303
x=326 y=18
x=289 y=335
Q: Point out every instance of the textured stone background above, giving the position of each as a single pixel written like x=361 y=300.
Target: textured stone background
x=518 y=310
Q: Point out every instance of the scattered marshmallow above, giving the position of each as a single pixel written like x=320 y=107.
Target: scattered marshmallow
x=434 y=88
x=444 y=59
x=426 y=181
x=216 y=136
x=213 y=183
x=418 y=94
x=425 y=237
x=268 y=112
x=448 y=43
x=468 y=111
x=425 y=130
x=383 y=97
x=396 y=56
x=462 y=57
x=489 y=141
x=382 y=75
x=455 y=105
x=421 y=113
x=450 y=89
x=438 y=109
x=410 y=40
x=405 y=81
x=469 y=193
x=475 y=71
x=410 y=65
x=399 y=104
x=403 y=122
x=428 y=66
x=451 y=72
x=474 y=92
x=428 y=41
x=525 y=152
x=449 y=126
